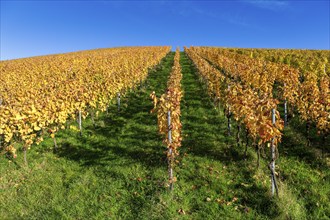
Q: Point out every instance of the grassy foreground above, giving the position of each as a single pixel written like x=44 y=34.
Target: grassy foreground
x=118 y=169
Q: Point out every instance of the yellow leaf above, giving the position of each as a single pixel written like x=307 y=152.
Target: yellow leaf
x=37 y=128
x=74 y=128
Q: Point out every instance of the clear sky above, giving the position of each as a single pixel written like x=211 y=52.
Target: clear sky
x=30 y=28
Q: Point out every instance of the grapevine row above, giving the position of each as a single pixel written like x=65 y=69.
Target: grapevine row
x=313 y=66
x=40 y=94
x=246 y=103
x=168 y=112
x=259 y=74
x=313 y=61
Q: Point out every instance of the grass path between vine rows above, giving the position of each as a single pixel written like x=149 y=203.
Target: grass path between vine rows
x=118 y=169
x=214 y=174
x=303 y=175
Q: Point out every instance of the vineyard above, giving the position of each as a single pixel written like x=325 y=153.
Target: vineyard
x=146 y=133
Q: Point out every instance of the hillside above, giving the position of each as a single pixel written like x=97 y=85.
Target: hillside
x=117 y=168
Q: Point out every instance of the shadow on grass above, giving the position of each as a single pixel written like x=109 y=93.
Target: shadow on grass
x=205 y=130
x=295 y=145
x=130 y=134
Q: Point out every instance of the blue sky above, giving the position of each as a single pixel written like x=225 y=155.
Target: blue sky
x=30 y=28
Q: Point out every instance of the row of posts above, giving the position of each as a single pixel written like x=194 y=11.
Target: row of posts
x=274 y=187
x=79 y=114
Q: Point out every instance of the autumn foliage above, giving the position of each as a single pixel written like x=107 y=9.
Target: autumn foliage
x=169 y=103
x=39 y=94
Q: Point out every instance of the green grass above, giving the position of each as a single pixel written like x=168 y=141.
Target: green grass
x=118 y=170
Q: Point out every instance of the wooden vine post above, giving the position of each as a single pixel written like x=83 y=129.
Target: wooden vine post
x=246 y=143
x=228 y=117
x=25 y=159
x=92 y=117
x=79 y=122
x=285 y=111
x=238 y=139
x=55 y=144
x=118 y=100
x=272 y=163
x=170 y=152
x=219 y=104
x=228 y=123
